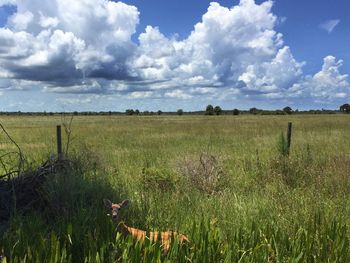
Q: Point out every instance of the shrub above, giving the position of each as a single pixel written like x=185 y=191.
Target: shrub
x=206 y=173
x=158 y=179
x=299 y=171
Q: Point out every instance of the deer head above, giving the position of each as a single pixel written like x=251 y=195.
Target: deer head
x=115 y=208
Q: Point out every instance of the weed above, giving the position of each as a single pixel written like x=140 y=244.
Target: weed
x=156 y=179
x=206 y=173
x=282 y=145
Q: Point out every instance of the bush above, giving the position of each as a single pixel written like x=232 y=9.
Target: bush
x=299 y=171
x=156 y=179
x=206 y=174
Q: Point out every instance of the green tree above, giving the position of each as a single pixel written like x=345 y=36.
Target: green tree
x=217 y=110
x=288 y=110
x=129 y=112
x=209 y=110
x=180 y=112
x=253 y=111
x=159 y=112
x=345 y=108
x=236 y=112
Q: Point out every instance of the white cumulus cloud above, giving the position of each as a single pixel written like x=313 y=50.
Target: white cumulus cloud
x=7 y=2
x=86 y=47
x=219 y=50
x=326 y=85
x=63 y=42
x=270 y=77
x=178 y=94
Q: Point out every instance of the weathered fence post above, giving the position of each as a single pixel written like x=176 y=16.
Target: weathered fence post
x=59 y=142
x=289 y=136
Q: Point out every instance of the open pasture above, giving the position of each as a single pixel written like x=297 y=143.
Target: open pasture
x=222 y=180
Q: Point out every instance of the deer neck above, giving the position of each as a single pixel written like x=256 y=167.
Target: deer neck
x=122 y=228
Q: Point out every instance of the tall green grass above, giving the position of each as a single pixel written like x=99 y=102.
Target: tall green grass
x=257 y=205
x=317 y=241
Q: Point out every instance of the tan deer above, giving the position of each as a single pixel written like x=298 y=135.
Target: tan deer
x=137 y=234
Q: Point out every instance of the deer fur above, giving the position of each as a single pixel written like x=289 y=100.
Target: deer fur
x=137 y=234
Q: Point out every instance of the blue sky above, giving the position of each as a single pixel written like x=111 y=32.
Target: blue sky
x=150 y=55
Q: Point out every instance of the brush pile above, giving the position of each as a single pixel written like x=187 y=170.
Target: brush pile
x=21 y=187
x=25 y=191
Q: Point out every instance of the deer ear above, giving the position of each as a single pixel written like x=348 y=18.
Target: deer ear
x=124 y=203
x=107 y=203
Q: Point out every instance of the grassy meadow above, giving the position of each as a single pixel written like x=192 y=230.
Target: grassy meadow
x=221 y=180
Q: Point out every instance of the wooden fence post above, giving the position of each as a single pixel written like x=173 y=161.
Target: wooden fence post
x=59 y=142
x=289 y=135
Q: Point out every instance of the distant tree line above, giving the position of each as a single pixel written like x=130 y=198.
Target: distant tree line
x=288 y=111
x=209 y=110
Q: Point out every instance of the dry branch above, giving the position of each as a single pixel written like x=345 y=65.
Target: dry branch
x=20 y=190
x=26 y=192
x=20 y=153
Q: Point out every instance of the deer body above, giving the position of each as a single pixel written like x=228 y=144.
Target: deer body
x=137 y=234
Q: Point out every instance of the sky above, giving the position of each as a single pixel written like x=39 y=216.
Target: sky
x=100 y=55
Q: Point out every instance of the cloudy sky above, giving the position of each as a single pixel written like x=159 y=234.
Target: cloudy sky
x=100 y=55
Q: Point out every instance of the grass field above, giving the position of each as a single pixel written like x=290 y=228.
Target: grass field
x=220 y=180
